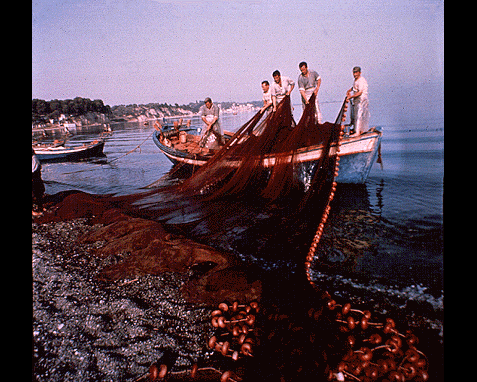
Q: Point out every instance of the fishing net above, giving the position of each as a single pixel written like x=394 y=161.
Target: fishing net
x=238 y=166
x=263 y=160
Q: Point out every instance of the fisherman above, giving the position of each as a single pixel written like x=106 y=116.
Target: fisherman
x=266 y=96
x=212 y=135
x=37 y=186
x=360 y=106
x=309 y=82
x=281 y=87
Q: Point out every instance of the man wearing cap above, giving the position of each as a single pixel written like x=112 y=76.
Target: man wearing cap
x=360 y=109
x=309 y=82
x=212 y=132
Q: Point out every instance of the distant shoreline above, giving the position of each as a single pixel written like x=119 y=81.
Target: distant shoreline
x=65 y=116
x=54 y=129
x=139 y=118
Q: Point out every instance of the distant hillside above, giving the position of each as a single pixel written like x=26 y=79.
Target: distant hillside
x=84 y=110
x=150 y=110
x=161 y=110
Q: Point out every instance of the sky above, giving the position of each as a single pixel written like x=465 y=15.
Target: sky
x=180 y=51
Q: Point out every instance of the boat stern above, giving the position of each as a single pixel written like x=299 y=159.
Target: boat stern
x=356 y=164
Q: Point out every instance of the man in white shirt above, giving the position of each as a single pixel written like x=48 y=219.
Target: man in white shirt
x=309 y=82
x=281 y=87
x=266 y=97
x=360 y=110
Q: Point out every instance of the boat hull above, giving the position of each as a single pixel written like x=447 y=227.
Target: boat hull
x=63 y=154
x=357 y=156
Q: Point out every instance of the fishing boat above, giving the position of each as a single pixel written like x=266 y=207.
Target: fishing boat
x=60 y=153
x=357 y=153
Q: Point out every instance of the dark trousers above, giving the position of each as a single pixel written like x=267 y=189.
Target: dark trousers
x=37 y=189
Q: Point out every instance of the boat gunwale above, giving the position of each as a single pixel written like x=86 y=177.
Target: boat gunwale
x=195 y=159
x=65 y=150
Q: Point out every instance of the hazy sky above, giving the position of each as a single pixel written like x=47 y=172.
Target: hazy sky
x=179 y=51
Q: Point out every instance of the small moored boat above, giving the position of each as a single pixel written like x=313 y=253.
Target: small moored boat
x=357 y=153
x=60 y=153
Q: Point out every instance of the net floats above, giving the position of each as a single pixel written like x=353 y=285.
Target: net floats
x=377 y=350
x=236 y=322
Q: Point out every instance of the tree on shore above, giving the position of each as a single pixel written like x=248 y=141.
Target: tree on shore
x=75 y=107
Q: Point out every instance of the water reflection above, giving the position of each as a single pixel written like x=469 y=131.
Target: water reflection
x=379 y=198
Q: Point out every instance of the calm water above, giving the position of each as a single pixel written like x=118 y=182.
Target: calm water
x=398 y=213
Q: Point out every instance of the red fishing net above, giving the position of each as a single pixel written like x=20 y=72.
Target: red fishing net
x=261 y=159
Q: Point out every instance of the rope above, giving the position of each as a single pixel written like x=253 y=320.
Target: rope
x=324 y=218
x=134 y=149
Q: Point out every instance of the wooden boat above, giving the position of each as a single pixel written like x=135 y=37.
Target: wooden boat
x=60 y=153
x=357 y=153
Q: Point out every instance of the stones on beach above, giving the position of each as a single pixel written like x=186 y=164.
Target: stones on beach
x=87 y=329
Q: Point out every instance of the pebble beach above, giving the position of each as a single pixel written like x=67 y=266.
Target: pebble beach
x=85 y=329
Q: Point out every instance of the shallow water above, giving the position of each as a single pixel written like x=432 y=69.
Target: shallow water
x=397 y=214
